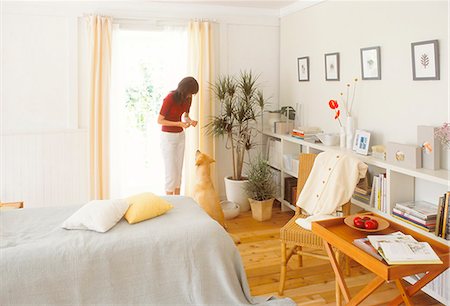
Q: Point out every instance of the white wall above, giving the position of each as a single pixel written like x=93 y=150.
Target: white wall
x=391 y=108
x=43 y=72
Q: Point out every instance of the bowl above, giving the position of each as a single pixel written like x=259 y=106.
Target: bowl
x=230 y=209
x=382 y=224
x=328 y=139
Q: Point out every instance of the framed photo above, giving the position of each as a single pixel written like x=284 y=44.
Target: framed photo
x=425 y=60
x=361 y=143
x=371 y=63
x=303 y=68
x=332 y=66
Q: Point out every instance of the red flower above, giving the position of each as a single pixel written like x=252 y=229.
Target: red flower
x=333 y=104
x=338 y=112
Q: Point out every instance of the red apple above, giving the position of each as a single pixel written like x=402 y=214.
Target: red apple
x=358 y=222
x=371 y=224
x=366 y=218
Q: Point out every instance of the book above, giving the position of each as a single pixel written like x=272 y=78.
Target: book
x=445 y=215
x=422 y=227
x=421 y=209
x=429 y=223
x=365 y=245
x=375 y=240
x=408 y=253
x=400 y=249
x=440 y=210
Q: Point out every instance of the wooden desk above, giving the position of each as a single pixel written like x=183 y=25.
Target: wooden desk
x=11 y=205
x=335 y=233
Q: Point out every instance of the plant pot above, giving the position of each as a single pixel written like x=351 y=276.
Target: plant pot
x=261 y=210
x=235 y=191
x=230 y=209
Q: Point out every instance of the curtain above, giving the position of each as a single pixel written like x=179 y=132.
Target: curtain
x=99 y=44
x=201 y=67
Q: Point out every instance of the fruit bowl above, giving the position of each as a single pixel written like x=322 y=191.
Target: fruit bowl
x=382 y=224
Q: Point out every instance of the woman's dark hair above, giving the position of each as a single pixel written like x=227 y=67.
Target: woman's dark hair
x=187 y=86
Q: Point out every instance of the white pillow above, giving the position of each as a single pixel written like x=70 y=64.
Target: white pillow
x=97 y=215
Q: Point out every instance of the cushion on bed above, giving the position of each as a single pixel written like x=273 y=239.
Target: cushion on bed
x=97 y=215
x=145 y=206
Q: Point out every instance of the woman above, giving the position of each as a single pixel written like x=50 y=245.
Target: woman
x=175 y=105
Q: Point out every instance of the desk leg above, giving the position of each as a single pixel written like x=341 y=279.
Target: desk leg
x=366 y=291
x=411 y=290
x=338 y=273
x=403 y=293
x=338 y=295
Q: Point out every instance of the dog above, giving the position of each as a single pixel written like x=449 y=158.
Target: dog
x=204 y=192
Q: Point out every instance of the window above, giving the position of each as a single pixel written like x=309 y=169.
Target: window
x=147 y=64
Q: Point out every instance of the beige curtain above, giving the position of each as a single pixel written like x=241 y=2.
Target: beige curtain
x=99 y=34
x=201 y=67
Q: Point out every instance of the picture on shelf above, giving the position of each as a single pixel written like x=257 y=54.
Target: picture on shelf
x=361 y=143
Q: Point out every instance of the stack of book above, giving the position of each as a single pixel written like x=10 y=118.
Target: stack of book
x=420 y=214
x=362 y=195
x=443 y=219
x=305 y=132
x=378 y=193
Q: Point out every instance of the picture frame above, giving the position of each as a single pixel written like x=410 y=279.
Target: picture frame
x=371 y=63
x=332 y=66
x=361 y=142
x=425 y=60
x=303 y=68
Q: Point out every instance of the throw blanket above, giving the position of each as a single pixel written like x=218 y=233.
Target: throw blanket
x=180 y=258
x=331 y=183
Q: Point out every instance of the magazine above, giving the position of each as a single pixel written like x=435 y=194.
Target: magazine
x=400 y=249
x=408 y=253
x=394 y=237
x=365 y=245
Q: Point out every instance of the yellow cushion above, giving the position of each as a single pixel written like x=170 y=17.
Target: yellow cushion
x=145 y=206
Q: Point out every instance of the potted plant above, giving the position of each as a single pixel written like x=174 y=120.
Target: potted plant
x=261 y=188
x=241 y=102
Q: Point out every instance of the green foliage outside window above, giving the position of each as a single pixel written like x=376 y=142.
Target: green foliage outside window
x=143 y=101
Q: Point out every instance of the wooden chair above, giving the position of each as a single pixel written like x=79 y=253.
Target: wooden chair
x=297 y=236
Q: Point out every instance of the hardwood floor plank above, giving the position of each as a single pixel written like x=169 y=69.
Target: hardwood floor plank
x=314 y=283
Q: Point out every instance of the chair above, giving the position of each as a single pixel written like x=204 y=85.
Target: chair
x=297 y=236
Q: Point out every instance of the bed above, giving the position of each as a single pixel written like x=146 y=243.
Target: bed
x=180 y=258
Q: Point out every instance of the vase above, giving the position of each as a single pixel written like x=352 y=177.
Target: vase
x=349 y=132
x=342 y=136
x=235 y=192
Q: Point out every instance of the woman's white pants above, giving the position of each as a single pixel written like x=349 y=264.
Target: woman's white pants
x=172 y=146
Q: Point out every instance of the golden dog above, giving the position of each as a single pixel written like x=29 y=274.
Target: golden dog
x=204 y=192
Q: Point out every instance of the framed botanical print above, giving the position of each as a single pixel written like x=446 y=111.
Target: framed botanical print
x=371 y=63
x=332 y=67
x=303 y=68
x=425 y=60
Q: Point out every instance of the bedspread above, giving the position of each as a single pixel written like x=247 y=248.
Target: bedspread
x=180 y=258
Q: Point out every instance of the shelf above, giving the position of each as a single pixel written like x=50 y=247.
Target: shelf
x=290 y=172
x=402 y=181
x=441 y=176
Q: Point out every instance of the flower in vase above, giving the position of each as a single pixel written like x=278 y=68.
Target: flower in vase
x=347 y=102
x=335 y=106
x=443 y=134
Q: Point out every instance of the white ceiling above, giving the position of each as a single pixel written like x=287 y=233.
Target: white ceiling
x=267 y=4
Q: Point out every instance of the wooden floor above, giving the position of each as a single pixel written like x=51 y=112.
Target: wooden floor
x=313 y=284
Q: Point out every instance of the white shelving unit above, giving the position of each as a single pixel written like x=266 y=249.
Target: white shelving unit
x=401 y=187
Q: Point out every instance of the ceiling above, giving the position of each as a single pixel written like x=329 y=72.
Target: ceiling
x=268 y=4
